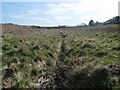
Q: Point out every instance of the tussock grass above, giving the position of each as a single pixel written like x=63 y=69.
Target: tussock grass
x=67 y=58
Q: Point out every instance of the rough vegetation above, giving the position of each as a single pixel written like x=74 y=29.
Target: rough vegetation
x=67 y=58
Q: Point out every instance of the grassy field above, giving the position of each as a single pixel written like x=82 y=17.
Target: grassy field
x=79 y=57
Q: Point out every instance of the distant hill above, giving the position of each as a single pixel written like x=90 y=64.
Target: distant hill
x=114 y=20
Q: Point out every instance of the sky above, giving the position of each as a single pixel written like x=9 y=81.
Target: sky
x=58 y=13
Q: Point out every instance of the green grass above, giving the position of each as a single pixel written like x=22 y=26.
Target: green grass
x=29 y=54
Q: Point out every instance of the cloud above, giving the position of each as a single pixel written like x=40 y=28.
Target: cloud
x=17 y=16
x=61 y=18
x=40 y=0
x=27 y=14
x=82 y=7
x=33 y=12
x=69 y=13
x=83 y=11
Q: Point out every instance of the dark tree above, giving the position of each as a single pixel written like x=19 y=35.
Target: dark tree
x=96 y=23
x=91 y=23
x=117 y=20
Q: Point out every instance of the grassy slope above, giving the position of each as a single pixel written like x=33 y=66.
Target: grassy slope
x=28 y=53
